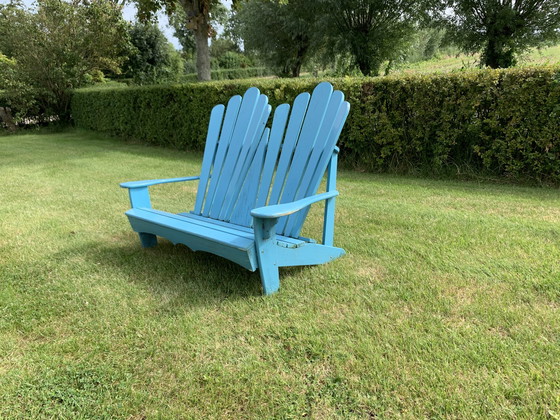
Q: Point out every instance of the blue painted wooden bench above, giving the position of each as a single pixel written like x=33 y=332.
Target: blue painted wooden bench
x=256 y=185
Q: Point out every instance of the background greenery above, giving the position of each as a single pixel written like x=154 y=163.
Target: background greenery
x=54 y=46
x=446 y=306
x=502 y=122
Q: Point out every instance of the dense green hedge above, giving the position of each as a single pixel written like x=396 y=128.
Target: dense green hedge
x=504 y=122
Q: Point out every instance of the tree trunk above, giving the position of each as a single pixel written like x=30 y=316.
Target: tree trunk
x=303 y=45
x=499 y=49
x=6 y=117
x=197 y=12
x=496 y=54
x=296 y=69
x=368 y=66
x=491 y=54
x=202 y=52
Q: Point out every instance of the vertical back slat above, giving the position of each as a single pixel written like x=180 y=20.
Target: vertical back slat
x=311 y=126
x=243 y=123
x=245 y=158
x=248 y=193
x=276 y=136
x=292 y=134
x=214 y=127
x=232 y=111
x=296 y=220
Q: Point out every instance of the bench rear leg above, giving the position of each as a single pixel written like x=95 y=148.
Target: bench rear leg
x=147 y=239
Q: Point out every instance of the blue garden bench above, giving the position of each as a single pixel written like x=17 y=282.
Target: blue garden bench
x=256 y=185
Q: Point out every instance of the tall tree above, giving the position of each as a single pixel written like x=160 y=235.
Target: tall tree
x=371 y=31
x=58 y=46
x=502 y=29
x=179 y=22
x=152 y=59
x=280 y=31
x=197 y=19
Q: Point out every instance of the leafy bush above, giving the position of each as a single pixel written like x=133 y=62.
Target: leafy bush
x=233 y=60
x=54 y=47
x=152 y=58
x=231 y=74
x=504 y=122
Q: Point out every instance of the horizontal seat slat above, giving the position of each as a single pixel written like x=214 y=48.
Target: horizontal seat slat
x=239 y=237
x=181 y=224
x=243 y=229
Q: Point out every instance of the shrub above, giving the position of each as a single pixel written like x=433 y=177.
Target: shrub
x=231 y=74
x=505 y=122
x=55 y=46
x=152 y=59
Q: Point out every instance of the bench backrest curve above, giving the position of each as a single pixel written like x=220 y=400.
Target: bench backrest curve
x=247 y=165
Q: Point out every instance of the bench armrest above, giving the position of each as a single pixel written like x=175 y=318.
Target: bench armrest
x=147 y=183
x=278 y=210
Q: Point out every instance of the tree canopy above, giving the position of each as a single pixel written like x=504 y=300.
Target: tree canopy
x=370 y=31
x=152 y=59
x=59 y=46
x=286 y=33
x=501 y=29
x=198 y=19
x=281 y=31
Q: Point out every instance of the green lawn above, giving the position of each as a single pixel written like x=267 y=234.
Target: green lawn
x=446 y=306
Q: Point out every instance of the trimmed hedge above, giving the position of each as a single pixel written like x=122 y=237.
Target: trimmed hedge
x=503 y=122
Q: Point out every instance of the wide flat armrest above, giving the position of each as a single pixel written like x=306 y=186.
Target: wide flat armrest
x=279 y=210
x=141 y=184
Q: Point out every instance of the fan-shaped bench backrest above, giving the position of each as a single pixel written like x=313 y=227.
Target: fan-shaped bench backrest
x=246 y=165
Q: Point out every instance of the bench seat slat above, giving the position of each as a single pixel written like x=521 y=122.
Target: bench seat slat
x=247 y=230
x=237 y=236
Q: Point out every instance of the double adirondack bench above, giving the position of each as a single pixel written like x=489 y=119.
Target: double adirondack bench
x=256 y=185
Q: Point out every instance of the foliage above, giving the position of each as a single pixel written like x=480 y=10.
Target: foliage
x=152 y=59
x=221 y=46
x=502 y=29
x=231 y=74
x=192 y=20
x=232 y=60
x=57 y=47
x=370 y=31
x=178 y=21
x=341 y=35
x=450 y=59
x=501 y=122
x=183 y=31
x=280 y=31
x=7 y=69
x=425 y=45
x=226 y=54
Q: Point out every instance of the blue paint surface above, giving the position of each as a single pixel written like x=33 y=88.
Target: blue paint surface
x=256 y=185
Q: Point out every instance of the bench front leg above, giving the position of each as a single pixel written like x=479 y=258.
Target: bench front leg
x=140 y=198
x=265 y=242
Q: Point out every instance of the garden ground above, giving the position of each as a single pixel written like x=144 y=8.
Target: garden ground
x=446 y=306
